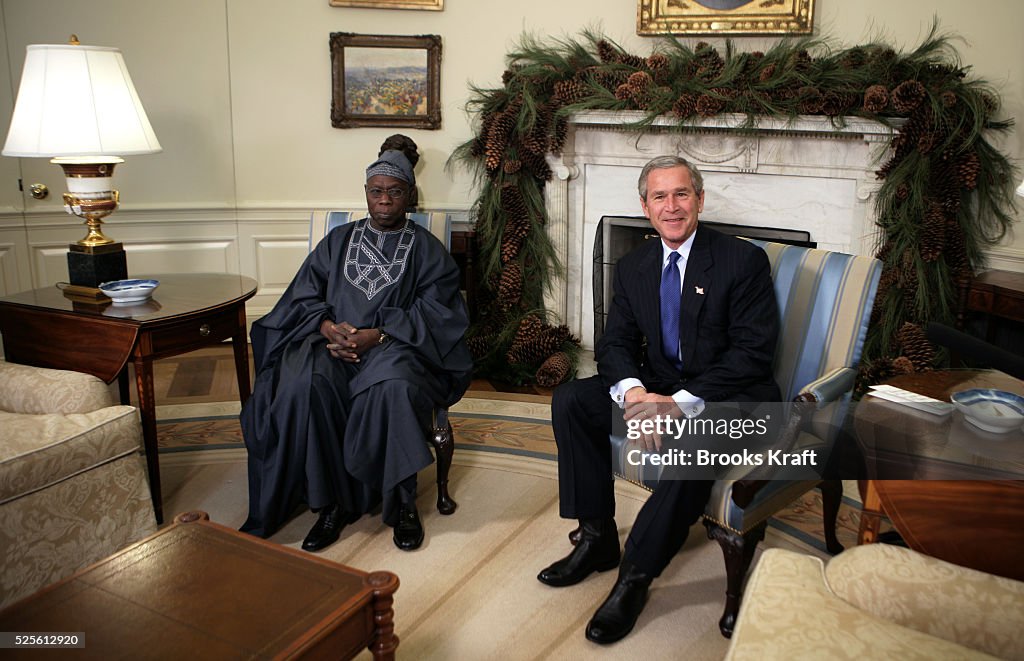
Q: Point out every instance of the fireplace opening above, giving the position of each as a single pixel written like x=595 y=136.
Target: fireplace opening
x=618 y=235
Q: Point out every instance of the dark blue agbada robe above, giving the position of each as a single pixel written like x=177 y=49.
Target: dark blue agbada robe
x=322 y=430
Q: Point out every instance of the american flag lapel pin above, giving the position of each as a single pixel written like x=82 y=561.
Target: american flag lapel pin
x=699 y=290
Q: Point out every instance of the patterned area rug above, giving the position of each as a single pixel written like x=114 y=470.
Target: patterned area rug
x=503 y=423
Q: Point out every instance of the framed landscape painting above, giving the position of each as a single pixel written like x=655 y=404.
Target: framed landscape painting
x=381 y=80
x=727 y=17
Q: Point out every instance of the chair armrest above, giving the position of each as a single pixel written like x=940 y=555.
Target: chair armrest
x=965 y=606
x=37 y=390
x=831 y=386
x=789 y=612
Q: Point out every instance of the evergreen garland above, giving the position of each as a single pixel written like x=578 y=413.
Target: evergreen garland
x=945 y=192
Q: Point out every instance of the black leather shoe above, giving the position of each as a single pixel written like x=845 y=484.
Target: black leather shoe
x=327 y=528
x=617 y=616
x=408 y=533
x=597 y=550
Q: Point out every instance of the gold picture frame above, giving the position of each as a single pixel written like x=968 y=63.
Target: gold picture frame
x=382 y=80
x=724 y=17
x=430 y=5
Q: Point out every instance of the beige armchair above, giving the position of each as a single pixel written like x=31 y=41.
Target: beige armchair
x=73 y=486
x=876 y=602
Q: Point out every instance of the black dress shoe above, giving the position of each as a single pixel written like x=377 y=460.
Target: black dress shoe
x=327 y=528
x=408 y=533
x=597 y=550
x=617 y=616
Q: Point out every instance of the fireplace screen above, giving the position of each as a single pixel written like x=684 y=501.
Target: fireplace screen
x=618 y=235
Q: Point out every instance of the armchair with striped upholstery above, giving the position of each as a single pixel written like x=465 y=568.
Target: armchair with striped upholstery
x=440 y=435
x=825 y=300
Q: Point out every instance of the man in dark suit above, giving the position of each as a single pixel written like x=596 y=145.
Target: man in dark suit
x=693 y=320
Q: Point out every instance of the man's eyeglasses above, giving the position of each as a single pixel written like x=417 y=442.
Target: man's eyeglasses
x=393 y=193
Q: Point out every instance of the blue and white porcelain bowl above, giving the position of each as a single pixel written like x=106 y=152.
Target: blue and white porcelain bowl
x=123 y=292
x=995 y=411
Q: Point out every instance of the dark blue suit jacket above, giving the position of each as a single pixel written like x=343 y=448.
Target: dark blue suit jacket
x=728 y=328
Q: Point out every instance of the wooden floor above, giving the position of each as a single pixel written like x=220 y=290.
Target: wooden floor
x=208 y=375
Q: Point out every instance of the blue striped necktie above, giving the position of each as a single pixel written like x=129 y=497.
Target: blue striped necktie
x=670 y=295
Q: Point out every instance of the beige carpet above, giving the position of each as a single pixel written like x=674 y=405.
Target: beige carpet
x=470 y=592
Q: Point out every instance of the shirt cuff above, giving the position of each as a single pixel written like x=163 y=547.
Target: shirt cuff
x=688 y=403
x=619 y=390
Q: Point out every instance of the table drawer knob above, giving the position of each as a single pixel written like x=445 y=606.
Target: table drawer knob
x=204 y=330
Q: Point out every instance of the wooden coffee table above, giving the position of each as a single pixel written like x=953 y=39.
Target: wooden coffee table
x=188 y=311
x=198 y=590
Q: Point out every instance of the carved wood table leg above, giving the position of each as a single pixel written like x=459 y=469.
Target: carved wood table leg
x=870 y=514
x=385 y=641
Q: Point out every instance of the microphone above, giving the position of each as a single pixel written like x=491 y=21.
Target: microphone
x=976 y=350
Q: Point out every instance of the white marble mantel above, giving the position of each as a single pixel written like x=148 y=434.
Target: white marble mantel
x=806 y=174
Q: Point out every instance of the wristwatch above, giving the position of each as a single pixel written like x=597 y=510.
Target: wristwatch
x=384 y=337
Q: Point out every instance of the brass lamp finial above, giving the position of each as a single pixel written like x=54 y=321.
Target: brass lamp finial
x=74 y=40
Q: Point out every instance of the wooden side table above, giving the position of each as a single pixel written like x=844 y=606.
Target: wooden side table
x=45 y=328
x=950 y=490
x=198 y=590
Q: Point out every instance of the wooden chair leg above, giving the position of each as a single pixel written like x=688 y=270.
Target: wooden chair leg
x=738 y=551
x=443 y=440
x=831 y=496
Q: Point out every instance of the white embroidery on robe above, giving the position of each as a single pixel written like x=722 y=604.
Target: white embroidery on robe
x=367 y=267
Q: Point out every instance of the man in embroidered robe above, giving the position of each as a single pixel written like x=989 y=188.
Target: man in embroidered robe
x=364 y=343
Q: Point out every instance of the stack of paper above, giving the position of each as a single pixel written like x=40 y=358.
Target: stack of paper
x=912 y=399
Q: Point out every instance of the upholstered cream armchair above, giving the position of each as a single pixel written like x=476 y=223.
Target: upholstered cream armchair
x=73 y=486
x=876 y=602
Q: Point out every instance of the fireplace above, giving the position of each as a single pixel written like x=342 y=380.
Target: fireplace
x=808 y=175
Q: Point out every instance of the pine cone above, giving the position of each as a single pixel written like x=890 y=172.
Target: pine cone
x=480 y=345
x=685 y=106
x=801 y=61
x=708 y=106
x=630 y=60
x=916 y=346
x=968 y=168
x=933 y=232
x=512 y=166
x=908 y=279
x=810 y=100
x=639 y=82
x=623 y=92
x=907 y=96
x=657 y=61
x=767 y=73
x=559 y=135
x=903 y=365
x=510 y=287
x=949 y=99
x=836 y=103
x=876 y=99
x=568 y=92
x=530 y=328
x=555 y=370
x=538 y=165
x=955 y=254
x=606 y=52
x=853 y=58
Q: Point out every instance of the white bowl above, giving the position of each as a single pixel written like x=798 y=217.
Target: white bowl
x=129 y=291
x=994 y=411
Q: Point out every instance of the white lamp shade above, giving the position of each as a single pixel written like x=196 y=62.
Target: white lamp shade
x=77 y=101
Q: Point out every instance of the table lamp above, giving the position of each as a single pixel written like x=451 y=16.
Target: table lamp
x=76 y=104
